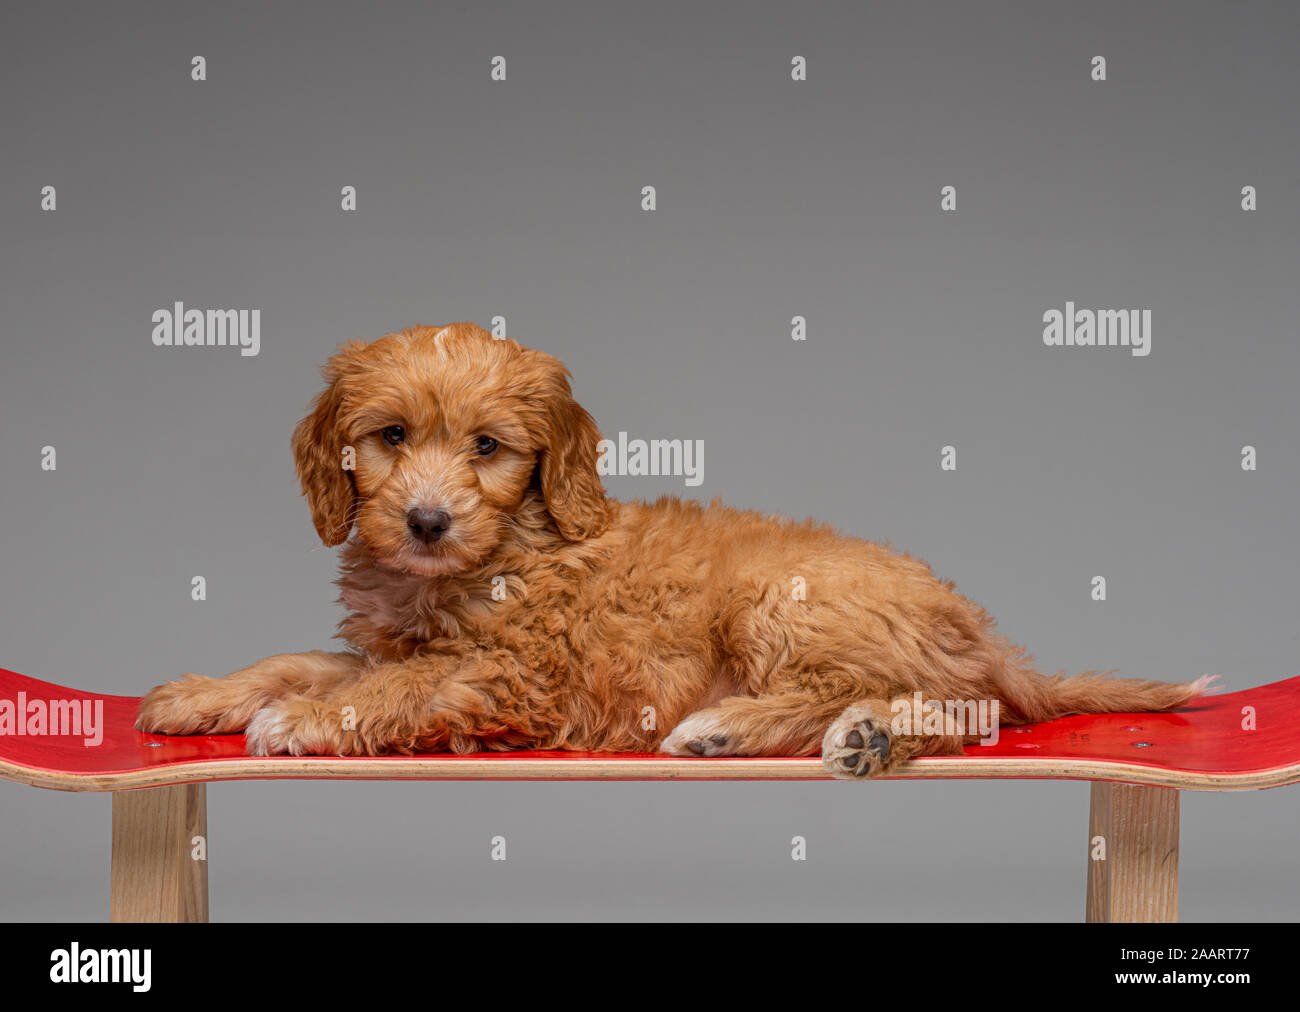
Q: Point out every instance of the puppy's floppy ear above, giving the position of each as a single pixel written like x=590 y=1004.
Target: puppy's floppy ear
x=318 y=457
x=571 y=485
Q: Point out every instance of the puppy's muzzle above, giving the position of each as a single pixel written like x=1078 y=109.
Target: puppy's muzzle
x=428 y=526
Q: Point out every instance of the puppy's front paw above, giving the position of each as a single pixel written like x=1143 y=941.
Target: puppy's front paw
x=857 y=744
x=192 y=704
x=299 y=727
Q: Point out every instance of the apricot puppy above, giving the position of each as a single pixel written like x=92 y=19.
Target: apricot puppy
x=614 y=626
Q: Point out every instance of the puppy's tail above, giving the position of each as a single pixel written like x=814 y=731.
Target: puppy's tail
x=1038 y=697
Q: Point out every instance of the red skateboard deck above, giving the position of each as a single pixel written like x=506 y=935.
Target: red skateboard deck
x=1208 y=746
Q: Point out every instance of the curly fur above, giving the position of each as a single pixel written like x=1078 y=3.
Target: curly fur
x=615 y=626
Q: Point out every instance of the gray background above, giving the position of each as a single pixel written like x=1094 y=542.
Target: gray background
x=775 y=198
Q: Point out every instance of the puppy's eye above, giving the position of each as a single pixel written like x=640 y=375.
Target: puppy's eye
x=393 y=435
x=485 y=445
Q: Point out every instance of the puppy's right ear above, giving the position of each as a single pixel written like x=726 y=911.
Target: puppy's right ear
x=318 y=457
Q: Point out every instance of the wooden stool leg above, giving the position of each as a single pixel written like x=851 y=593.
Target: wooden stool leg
x=1138 y=880
x=155 y=874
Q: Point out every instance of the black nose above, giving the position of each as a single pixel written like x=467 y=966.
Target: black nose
x=428 y=525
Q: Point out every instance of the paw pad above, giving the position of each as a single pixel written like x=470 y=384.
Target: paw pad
x=714 y=745
x=863 y=751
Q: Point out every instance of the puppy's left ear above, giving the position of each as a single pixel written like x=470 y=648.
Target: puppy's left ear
x=571 y=485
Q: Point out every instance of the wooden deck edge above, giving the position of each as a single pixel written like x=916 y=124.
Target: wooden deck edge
x=613 y=768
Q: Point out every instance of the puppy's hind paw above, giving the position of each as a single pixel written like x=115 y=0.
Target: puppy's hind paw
x=700 y=736
x=857 y=744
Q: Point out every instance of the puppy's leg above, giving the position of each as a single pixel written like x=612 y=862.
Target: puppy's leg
x=791 y=724
x=859 y=742
x=196 y=704
x=867 y=739
x=459 y=701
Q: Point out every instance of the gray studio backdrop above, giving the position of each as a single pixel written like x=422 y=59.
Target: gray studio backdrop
x=522 y=198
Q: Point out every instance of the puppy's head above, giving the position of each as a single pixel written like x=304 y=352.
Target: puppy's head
x=429 y=440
